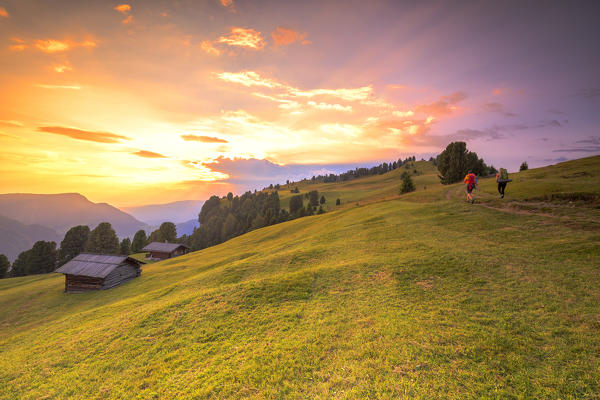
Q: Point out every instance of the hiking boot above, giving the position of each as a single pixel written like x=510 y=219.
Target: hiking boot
x=502 y=196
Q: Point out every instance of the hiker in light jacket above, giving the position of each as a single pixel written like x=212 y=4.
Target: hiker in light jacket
x=502 y=179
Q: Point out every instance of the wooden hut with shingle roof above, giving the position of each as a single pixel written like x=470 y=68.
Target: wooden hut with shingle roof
x=164 y=250
x=98 y=271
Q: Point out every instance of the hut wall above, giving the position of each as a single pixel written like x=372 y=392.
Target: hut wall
x=79 y=283
x=159 y=255
x=179 y=252
x=120 y=274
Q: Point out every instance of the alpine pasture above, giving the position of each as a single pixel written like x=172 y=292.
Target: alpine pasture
x=385 y=296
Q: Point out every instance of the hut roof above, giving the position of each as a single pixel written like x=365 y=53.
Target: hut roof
x=95 y=265
x=163 y=247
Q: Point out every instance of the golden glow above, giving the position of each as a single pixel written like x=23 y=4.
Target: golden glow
x=243 y=37
x=208 y=47
x=123 y=8
x=145 y=109
x=51 y=45
x=3 y=12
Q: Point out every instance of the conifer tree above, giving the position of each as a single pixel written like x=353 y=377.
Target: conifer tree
x=139 y=241
x=73 y=243
x=4 y=266
x=125 y=247
x=103 y=240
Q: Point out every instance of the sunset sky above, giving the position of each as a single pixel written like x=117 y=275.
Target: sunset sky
x=156 y=101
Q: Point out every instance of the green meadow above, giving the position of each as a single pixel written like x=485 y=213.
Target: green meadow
x=416 y=296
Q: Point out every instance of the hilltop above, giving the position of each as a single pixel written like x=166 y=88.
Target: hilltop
x=386 y=296
x=63 y=211
x=32 y=217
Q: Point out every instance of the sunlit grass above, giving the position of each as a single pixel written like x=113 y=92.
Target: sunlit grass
x=427 y=298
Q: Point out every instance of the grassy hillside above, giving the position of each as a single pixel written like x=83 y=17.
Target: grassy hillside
x=369 y=189
x=418 y=296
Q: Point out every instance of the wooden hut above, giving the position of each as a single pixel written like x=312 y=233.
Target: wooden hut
x=164 y=250
x=98 y=271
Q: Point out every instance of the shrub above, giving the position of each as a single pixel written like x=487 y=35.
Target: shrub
x=407 y=185
x=524 y=166
x=338 y=202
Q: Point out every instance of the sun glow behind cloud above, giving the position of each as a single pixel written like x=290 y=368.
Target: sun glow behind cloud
x=144 y=96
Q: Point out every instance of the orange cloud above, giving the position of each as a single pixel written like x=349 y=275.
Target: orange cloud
x=148 y=154
x=62 y=68
x=127 y=20
x=70 y=87
x=446 y=105
x=57 y=46
x=19 y=45
x=123 y=8
x=327 y=106
x=228 y=4
x=79 y=134
x=208 y=47
x=51 y=45
x=203 y=139
x=283 y=37
x=243 y=37
x=248 y=79
x=3 y=12
x=506 y=90
x=11 y=123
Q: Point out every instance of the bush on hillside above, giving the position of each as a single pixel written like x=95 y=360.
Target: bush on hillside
x=407 y=185
x=524 y=166
x=456 y=161
x=338 y=202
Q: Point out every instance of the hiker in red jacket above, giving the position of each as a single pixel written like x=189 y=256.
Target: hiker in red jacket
x=471 y=181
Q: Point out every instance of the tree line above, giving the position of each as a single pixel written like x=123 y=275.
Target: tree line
x=357 y=172
x=45 y=257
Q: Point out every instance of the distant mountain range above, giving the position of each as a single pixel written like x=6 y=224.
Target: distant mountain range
x=31 y=217
x=16 y=237
x=187 y=228
x=176 y=212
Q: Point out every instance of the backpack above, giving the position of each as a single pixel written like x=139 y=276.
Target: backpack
x=472 y=179
x=503 y=174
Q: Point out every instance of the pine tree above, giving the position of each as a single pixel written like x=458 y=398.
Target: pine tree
x=168 y=231
x=125 y=247
x=4 y=266
x=338 y=202
x=524 y=166
x=313 y=198
x=296 y=204
x=139 y=241
x=322 y=201
x=73 y=243
x=103 y=240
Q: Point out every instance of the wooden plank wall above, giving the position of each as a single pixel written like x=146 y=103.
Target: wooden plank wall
x=78 y=283
x=120 y=274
